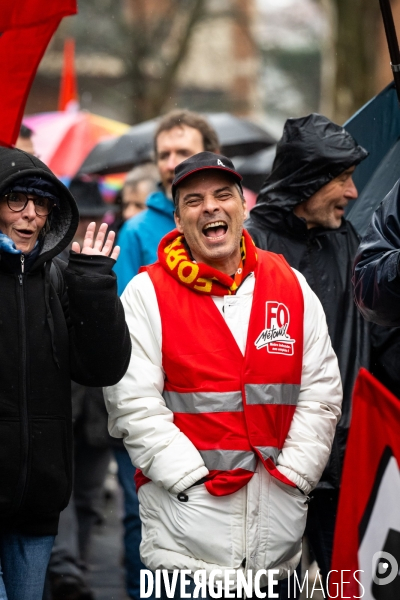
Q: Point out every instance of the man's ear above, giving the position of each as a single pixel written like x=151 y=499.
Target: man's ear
x=178 y=222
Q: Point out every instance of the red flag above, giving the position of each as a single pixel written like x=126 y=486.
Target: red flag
x=367 y=536
x=68 y=99
x=27 y=27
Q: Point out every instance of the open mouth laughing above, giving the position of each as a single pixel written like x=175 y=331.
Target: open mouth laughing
x=215 y=230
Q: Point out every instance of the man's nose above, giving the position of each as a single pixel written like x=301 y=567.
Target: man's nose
x=173 y=161
x=351 y=190
x=210 y=204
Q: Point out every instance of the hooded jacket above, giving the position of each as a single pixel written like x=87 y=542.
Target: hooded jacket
x=312 y=152
x=49 y=336
x=139 y=237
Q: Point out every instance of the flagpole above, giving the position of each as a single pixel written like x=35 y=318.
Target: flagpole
x=392 y=42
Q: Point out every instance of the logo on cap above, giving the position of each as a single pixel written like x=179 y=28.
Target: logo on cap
x=220 y=163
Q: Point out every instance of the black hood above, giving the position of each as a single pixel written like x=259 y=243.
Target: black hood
x=311 y=152
x=63 y=221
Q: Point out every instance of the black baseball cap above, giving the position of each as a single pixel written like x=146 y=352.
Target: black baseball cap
x=201 y=162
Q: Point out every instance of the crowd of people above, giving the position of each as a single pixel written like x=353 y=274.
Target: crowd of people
x=220 y=382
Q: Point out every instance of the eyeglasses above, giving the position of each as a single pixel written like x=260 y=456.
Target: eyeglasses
x=17 y=201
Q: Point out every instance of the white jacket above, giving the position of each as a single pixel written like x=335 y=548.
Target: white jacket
x=261 y=525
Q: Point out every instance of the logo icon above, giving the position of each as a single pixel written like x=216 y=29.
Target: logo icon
x=220 y=163
x=275 y=336
x=385 y=568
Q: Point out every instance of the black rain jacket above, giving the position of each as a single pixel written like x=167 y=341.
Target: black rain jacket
x=311 y=153
x=49 y=336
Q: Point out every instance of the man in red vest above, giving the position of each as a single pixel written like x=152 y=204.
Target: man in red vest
x=229 y=406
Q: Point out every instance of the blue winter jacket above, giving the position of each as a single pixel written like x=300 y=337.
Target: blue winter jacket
x=139 y=237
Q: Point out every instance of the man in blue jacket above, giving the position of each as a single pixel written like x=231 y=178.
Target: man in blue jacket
x=179 y=135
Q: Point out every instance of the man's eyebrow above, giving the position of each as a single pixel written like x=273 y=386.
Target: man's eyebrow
x=223 y=189
x=192 y=195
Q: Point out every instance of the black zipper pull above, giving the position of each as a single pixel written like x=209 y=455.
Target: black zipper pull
x=20 y=279
x=22 y=263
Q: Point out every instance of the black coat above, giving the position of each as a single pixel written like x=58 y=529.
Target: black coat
x=45 y=341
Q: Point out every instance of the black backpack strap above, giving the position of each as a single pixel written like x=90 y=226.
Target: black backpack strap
x=57 y=279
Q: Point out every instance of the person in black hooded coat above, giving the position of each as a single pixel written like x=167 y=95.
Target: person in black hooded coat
x=57 y=323
x=315 y=153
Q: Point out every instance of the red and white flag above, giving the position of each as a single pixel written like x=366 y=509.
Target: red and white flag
x=26 y=27
x=367 y=536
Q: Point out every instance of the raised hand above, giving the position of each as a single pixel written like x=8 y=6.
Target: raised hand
x=99 y=245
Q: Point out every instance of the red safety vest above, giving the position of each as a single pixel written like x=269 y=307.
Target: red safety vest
x=235 y=409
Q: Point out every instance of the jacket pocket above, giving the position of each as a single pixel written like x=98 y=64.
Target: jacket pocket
x=204 y=528
x=288 y=508
x=10 y=463
x=49 y=484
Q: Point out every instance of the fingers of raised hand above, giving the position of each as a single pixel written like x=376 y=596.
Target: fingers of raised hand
x=76 y=247
x=109 y=243
x=100 y=237
x=89 y=236
x=99 y=244
x=115 y=252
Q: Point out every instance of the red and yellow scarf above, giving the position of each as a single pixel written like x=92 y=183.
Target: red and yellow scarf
x=174 y=257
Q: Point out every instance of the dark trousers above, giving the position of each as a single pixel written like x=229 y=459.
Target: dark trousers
x=320 y=527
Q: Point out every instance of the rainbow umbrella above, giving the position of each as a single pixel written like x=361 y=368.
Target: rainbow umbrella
x=63 y=139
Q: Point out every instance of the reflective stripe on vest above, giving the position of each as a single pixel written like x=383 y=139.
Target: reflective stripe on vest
x=272 y=393
x=227 y=460
x=269 y=452
x=203 y=402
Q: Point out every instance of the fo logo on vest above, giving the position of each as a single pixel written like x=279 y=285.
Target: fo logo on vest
x=275 y=336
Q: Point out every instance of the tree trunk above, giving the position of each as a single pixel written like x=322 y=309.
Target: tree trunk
x=358 y=23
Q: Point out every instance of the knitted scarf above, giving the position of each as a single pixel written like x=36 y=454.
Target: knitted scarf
x=175 y=259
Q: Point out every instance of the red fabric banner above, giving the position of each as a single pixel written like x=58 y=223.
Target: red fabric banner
x=27 y=27
x=366 y=554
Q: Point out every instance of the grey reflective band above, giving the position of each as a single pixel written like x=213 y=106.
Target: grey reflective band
x=227 y=460
x=395 y=68
x=272 y=393
x=203 y=402
x=269 y=452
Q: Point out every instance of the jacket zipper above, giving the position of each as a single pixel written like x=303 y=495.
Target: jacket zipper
x=24 y=403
